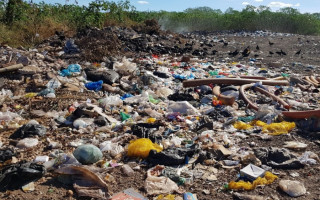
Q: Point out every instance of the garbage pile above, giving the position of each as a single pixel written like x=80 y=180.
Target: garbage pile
x=156 y=126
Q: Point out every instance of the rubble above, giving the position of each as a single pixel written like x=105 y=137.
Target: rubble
x=145 y=114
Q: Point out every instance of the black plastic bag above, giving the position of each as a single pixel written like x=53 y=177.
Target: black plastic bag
x=29 y=130
x=15 y=176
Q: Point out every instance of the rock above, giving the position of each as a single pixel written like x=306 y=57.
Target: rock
x=247 y=197
x=292 y=188
x=88 y=154
x=27 y=143
x=29 y=70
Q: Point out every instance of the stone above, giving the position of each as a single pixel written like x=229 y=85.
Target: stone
x=87 y=154
x=27 y=143
x=292 y=188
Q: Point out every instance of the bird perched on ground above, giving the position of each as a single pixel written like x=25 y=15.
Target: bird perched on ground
x=225 y=43
x=271 y=53
x=214 y=52
x=246 y=52
x=257 y=48
x=281 y=53
x=256 y=55
x=298 y=52
x=235 y=53
x=271 y=43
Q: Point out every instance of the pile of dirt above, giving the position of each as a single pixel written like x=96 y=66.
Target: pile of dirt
x=96 y=44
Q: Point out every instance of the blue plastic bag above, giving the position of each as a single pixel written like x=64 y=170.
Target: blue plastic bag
x=96 y=86
x=74 y=68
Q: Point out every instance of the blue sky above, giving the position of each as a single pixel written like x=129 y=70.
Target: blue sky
x=180 y=5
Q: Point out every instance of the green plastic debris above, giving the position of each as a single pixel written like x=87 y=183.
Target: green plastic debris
x=246 y=119
x=152 y=100
x=213 y=73
x=285 y=75
x=124 y=116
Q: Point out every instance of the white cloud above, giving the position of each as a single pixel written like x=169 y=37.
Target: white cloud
x=245 y=3
x=143 y=2
x=258 y=0
x=278 y=4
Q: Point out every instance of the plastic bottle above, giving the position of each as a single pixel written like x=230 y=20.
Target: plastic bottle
x=127 y=170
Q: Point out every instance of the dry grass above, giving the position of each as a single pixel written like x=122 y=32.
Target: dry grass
x=32 y=32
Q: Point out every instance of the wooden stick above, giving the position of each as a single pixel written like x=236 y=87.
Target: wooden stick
x=230 y=81
x=11 y=68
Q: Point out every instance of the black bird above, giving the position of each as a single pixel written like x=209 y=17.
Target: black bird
x=214 y=52
x=256 y=55
x=257 y=48
x=279 y=53
x=298 y=52
x=225 y=43
x=271 y=43
x=246 y=52
x=271 y=53
x=235 y=53
x=283 y=53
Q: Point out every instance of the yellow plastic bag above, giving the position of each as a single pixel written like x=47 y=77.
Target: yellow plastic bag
x=278 y=128
x=266 y=180
x=259 y=123
x=151 y=120
x=30 y=95
x=141 y=148
x=168 y=197
x=241 y=125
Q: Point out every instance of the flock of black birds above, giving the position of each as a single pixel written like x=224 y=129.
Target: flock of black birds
x=247 y=51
